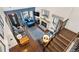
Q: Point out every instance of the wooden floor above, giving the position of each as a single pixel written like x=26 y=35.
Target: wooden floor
x=32 y=46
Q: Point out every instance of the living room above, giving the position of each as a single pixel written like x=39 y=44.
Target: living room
x=34 y=23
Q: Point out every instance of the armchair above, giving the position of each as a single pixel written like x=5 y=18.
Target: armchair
x=29 y=22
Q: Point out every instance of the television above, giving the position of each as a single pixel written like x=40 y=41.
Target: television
x=36 y=14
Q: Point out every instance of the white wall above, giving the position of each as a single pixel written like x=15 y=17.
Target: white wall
x=65 y=12
x=9 y=36
x=7 y=33
x=73 y=23
x=60 y=11
x=5 y=42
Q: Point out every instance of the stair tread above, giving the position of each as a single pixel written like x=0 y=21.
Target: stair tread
x=60 y=44
x=52 y=48
x=67 y=33
x=65 y=42
x=64 y=37
x=57 y=46
x=47 y=50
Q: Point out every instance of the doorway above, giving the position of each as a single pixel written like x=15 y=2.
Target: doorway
x=14 y=19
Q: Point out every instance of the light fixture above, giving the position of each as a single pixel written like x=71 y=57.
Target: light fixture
x=45 y=38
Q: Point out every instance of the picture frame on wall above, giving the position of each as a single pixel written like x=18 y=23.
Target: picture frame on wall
x=45 y=13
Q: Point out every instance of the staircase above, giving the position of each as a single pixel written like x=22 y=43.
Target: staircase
x=61 y=41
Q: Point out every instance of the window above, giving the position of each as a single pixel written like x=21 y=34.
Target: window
x=55 y=20
x=31 y=14
x=25 y=14
x=1 y=27
x=2 y=47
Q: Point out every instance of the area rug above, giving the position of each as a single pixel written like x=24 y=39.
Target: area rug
x=35 y=32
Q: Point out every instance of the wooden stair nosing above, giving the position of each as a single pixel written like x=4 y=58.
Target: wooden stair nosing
x=61 y=41
x=58 y=47
x=59 y=44
x=47 y=50
x=52 y=48
x=64 y=37
x=69 y=31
